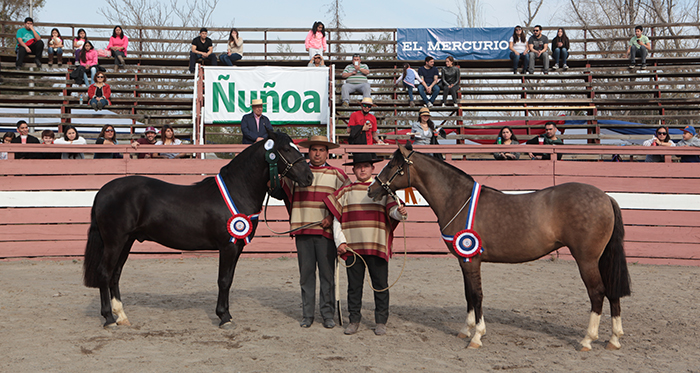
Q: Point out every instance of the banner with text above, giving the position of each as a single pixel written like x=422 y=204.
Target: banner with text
x=460 y=43
x=291 y=95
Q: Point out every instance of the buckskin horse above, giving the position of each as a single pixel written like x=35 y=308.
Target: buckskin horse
x=194 y=217
x=520 y=228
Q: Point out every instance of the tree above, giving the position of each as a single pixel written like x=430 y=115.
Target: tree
x=335 y=10
x=533 y=8
x=150 y=13
x=468 y=13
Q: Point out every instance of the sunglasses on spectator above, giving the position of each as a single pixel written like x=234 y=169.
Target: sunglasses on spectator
x=317 y=58
x=366 y=105
x=100 y=76
x=109 y=130
x=662 y=133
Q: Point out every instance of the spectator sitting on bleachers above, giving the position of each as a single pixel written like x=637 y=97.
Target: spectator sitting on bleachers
x=107 y=136
x=71 y=137
x=506 y=137
x=202 y=47
x=550 y=138
x=689 y=139
x=24 y=138
x=47 y=138
x=28 y=42
x=450 y=80
x=234 y=48
x=78 y=43
x=662 y=138
x=518 y=49
x=55 y=47
x=538 y=45
x=363 y=125
x=409 y=77
x=88 y=61
x=99 y=92
x=424 y=130
x=560 y=50
x=118 y=44
x=316 y=40
x=167 y=137
x=429 y=75
x=317 y=61
x=355 y=75
x=149 y=140
x=6 y=139
x=639 y=45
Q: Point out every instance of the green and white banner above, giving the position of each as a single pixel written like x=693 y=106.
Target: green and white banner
x=291 y=95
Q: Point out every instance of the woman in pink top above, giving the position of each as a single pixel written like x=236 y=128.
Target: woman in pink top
x=88 y=59
x=117 y=45
x=316 y=40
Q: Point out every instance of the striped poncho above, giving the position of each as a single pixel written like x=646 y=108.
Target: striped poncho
x=307 y=202
x=366 y=224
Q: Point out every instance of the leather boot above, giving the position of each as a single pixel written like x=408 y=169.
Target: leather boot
x=50 y=60
x=60 y=60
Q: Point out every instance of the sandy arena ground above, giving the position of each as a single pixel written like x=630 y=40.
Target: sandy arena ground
x=535 y=315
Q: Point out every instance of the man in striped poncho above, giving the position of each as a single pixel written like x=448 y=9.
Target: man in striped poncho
x=366 y=227
x=315 y=243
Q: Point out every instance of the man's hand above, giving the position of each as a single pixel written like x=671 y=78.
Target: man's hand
x=342 y=249
x=429 y=89
x=327 y=221
x=27 y=49
x=135 y=145
x=367 y=126
x=402 y=210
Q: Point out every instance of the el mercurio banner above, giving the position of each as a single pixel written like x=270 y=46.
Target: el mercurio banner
x=460 y=43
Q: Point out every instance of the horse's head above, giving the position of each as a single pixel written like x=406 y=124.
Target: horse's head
x=291 y=162
x=395 y=175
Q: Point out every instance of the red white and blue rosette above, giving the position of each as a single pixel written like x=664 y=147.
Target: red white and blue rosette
x=239 y=226
x=467 y=242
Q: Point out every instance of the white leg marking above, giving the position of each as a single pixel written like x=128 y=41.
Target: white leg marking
x=592 y=332
x=118 y=309
x=617 y=332
x=468 y=325
x=479 y=331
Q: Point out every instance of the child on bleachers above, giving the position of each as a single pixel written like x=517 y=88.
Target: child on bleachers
x=117 y=45
x=78 y=43
x=71 y=137
x=6 y=139
x=55 y=47
x=47 y=138
x=88 y=60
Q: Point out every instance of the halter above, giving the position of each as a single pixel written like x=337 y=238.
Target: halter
x=399 y=171
x=272 y=156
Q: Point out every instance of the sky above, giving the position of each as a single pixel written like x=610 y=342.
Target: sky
x=302 y=13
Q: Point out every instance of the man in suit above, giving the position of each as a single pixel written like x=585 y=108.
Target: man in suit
x=254 y=125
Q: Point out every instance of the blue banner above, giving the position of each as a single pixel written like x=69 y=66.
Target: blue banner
x=460 y=43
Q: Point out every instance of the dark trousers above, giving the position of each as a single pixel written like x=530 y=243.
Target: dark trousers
x=379 y=273
x=37 y=48
x=315 y=251
x=195 y=56
x=452 y=91
x=116 y=55
x=638 y=51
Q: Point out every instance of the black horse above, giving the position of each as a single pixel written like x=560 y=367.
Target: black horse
x=193 y=217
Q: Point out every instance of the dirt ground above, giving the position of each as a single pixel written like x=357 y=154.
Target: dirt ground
x=535 y=315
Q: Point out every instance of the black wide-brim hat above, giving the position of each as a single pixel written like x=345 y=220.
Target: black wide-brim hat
x=363 y=158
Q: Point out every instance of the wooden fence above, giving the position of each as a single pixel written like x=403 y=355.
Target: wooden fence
x=45 y=204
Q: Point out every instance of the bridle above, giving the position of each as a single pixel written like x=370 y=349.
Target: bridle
x=272 y=156
x=289 y=164
x=399 y=172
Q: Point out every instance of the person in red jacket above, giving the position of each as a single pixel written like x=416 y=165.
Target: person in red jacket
x=99 y=92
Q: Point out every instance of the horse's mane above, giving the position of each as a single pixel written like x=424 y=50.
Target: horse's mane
x=241 y=160
x=398 y=159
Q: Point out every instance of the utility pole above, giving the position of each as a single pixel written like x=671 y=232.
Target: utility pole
x=31 y=84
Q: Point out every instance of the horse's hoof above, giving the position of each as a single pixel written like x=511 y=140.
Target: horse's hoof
x=226 y=326
x=585 y=349
x=612 y=347
x=473 y=345
x=111 y=326
x=462 y=335
x=124 y=323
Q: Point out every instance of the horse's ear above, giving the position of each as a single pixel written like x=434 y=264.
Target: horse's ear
x=404 y=149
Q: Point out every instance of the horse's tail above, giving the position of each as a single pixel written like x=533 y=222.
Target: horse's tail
x=92 y=264
x=613 y=263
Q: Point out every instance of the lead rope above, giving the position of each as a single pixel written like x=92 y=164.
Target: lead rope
x=355 y=255
x=291 y=230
